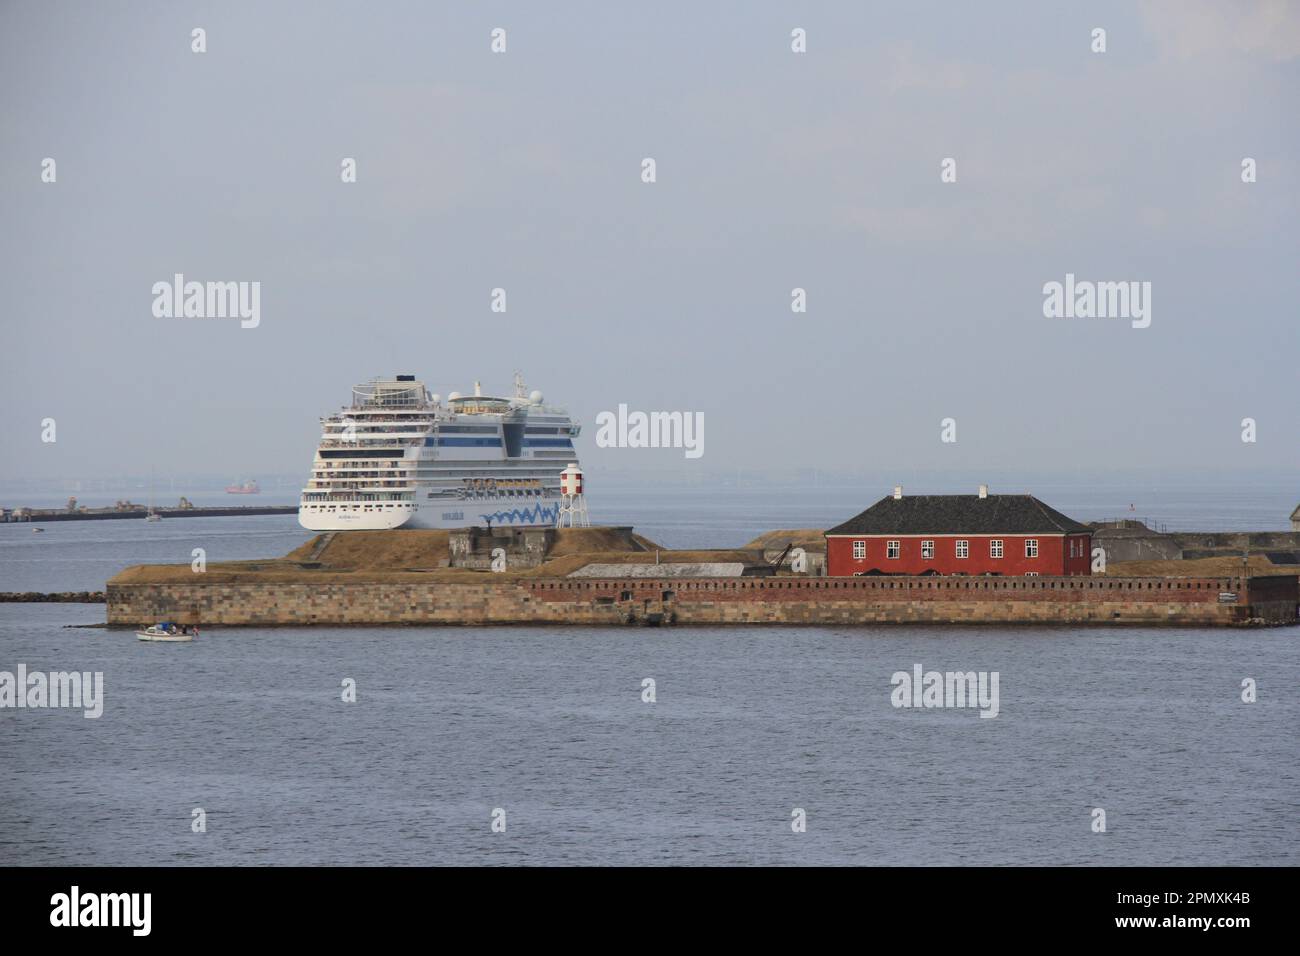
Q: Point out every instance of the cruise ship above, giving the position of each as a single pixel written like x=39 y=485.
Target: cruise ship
x=398 y=456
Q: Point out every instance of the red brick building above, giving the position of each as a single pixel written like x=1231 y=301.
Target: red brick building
x=959 y=534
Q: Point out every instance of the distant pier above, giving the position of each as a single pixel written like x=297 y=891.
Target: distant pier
x=43 y=515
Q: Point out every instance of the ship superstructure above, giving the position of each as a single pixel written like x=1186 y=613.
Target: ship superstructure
x=400 y=456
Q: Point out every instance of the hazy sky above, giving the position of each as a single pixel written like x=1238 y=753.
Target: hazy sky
x=775 y=170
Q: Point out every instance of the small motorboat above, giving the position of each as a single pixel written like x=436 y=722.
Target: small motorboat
x=38 y=531
x=167 y=632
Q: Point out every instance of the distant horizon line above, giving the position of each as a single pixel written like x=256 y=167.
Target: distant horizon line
x=785 y=476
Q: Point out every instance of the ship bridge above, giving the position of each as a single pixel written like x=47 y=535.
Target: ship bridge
x=401 y=392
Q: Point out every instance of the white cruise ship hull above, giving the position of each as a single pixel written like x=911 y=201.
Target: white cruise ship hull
x=497 y=511
x=348 y=520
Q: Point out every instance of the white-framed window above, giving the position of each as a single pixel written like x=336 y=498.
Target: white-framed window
x=995 y=548
x=1031 y=547
x=963 y=548
x=1031 y=574
x=892 y=549
x=859 y=550
x=1071 y=547
x=927 y=550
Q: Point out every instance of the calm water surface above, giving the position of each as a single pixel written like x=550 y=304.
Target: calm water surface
x=749 y=723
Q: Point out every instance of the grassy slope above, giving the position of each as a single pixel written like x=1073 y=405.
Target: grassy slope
x=410 y=555
x=810 y=539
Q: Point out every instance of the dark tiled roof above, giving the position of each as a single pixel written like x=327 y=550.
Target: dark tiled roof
x=960 y=514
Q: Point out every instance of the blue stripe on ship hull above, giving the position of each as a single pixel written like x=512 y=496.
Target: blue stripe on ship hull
x=531 y=515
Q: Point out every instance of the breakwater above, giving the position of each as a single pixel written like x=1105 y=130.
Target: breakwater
x=42 y=515
x=51 y=597
x=1081 y=600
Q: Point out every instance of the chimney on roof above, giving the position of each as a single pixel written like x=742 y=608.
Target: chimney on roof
x=984 y=491
x=898 y=492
